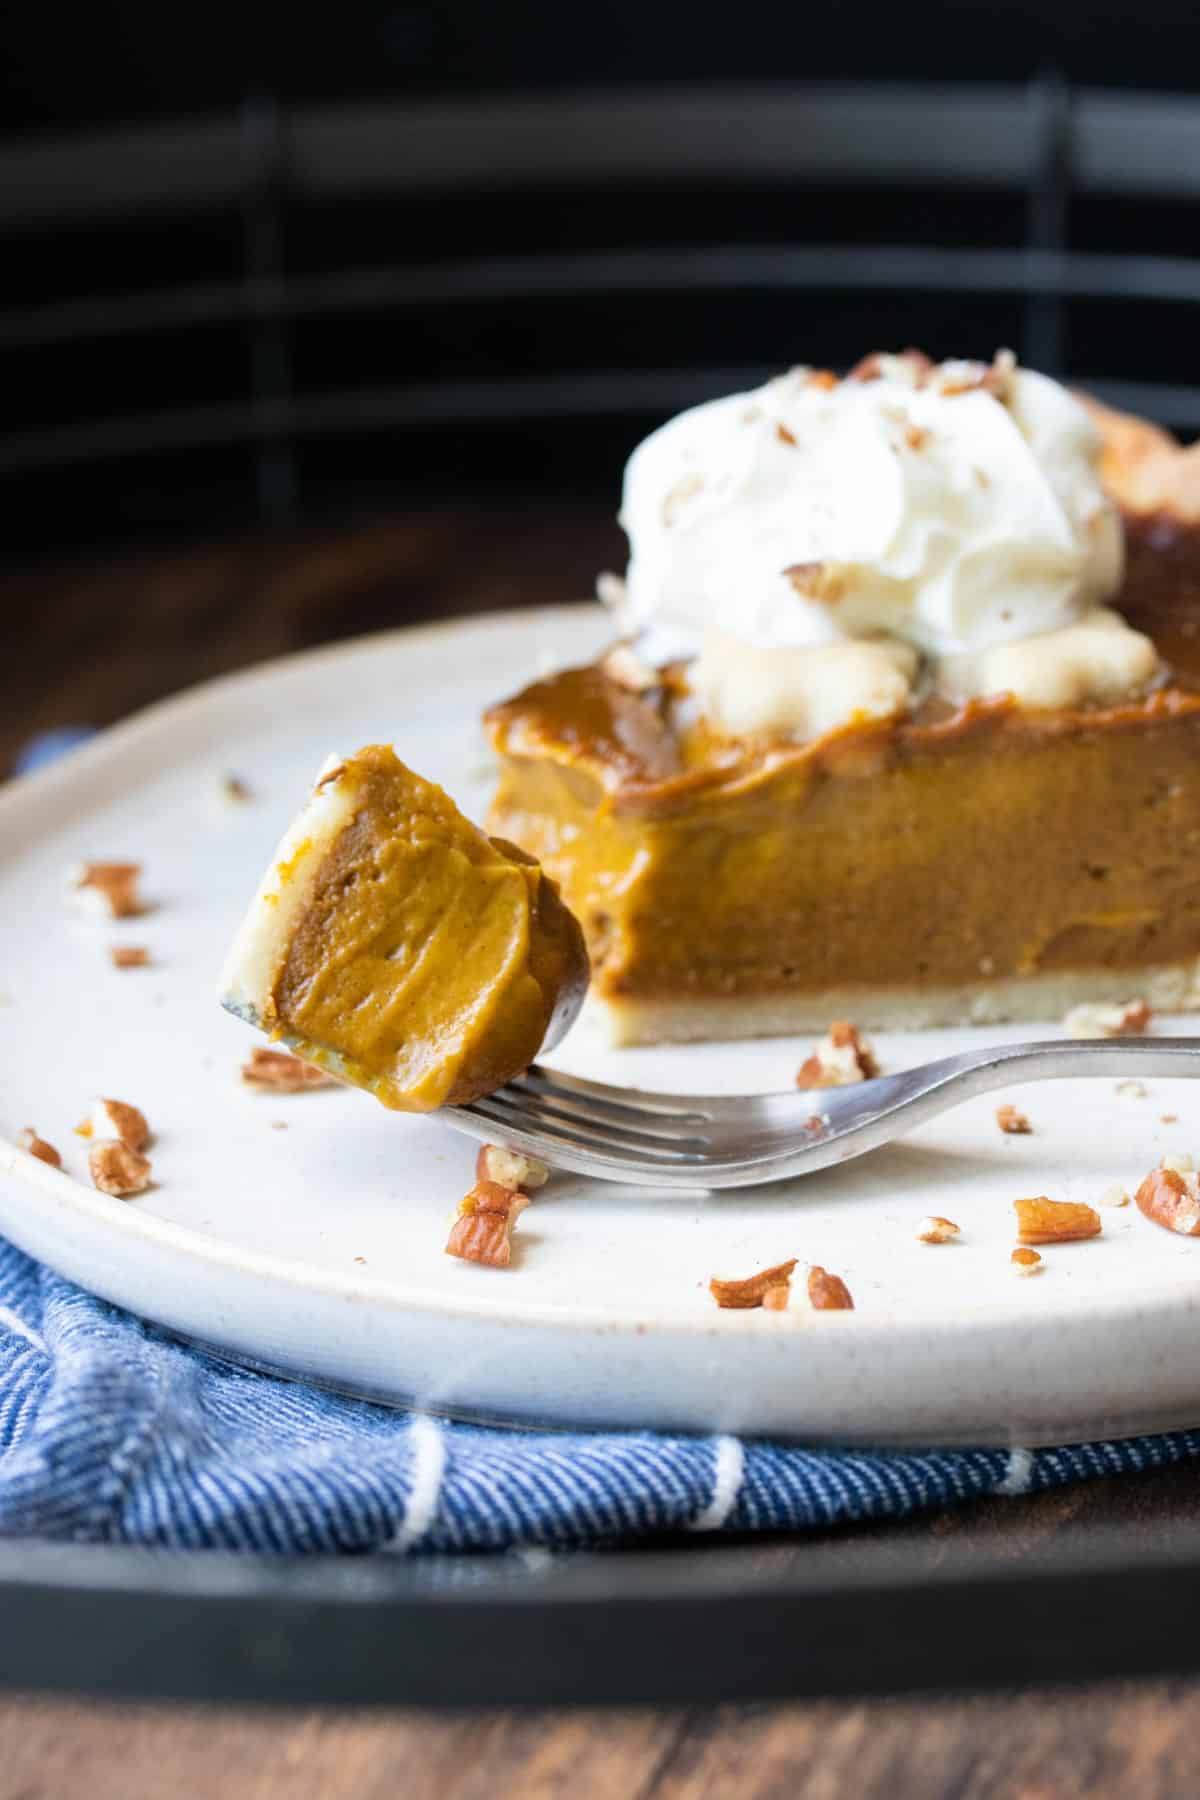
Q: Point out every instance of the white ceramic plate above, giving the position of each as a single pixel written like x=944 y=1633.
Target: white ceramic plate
x=306 y=1232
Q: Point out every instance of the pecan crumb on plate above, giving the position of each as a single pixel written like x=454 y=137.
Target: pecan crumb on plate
x=482 y=1231
x=108 y=888
x=936 y=1230
x=841 y=1058
x=129 y=956
x=509 y=1168
x=117 y=1119
x=1026 y=1262
x=1171 y=1198
x=1012 y=1120
x=828 y=1293
x=1129 y=1019
x=282 y=1073
x=29 y=1141
x=117 y=1169
x=752 y=1290
x=1043 y=1221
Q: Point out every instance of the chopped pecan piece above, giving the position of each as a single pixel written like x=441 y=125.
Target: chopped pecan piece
x=842 y=1057
x=775 y=1299
x=1043 y=1221
x=282 y=1073
x=1012 y=1120
x=36 y=1146
x=482 y=1232
x=936 y=1230
x=117 y=1169
x=828 y=1293
x=916 y=437
x=510 y=1169
x=1171 y=1200
x=785 y=436
x=1129 y=1019
x=1026 y=1262
x=129 y=956
x=822 y=378
x=753 y=1290
x=110 y=888
x=117 y=1119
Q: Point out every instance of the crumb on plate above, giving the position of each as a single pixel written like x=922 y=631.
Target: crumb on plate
x=1124 y=1019
x=482 y=1230
x=751 y=1290
x=33 y=1145
x=828 y=1293
x=107 y=888
x=1045 y=1221
x=1012 y=1120
x=841 y=1058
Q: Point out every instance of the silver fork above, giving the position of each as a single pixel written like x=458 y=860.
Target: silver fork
x=701 y=1141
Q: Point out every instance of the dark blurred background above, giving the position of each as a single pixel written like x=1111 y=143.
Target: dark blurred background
x=273 y=272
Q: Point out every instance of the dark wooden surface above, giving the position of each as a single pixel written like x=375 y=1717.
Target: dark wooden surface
x=88 y=642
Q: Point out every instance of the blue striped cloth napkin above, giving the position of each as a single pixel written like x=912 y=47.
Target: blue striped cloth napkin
x=111 y=1432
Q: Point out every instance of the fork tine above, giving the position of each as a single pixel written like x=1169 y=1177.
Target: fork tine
x=498 y=1110
x=627 y=1102
x=585 y=1116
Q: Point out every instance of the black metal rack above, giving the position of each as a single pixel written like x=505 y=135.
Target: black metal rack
x=1024 y=214
x=755 y=1622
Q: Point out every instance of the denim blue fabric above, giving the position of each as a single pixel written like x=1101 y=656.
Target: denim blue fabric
x=111 y=1432
x=48 y=746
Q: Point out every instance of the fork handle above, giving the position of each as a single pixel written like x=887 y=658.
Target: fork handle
x=981 y=1071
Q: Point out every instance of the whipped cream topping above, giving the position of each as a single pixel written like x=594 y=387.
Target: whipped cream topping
x=950 y=509
x=954 y=507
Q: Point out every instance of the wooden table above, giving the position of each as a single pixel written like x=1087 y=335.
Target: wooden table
x=88 y=643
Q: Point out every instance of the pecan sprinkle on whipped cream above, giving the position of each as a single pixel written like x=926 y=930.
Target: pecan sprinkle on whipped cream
x=818 y=548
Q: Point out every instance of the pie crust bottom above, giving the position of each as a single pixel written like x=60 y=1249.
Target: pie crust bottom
x=689 y=1019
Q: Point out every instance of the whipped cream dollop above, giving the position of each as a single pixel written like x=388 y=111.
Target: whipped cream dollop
x=950 y=508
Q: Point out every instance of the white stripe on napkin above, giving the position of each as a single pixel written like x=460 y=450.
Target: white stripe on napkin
x=429 y=1465
x=1019 y=1473
x=727 y=1479
x=11 y=1320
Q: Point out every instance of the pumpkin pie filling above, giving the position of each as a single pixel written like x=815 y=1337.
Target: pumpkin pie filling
x=397 y=946
x=970 y=856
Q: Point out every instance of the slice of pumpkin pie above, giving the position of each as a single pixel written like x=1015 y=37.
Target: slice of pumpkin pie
x=894 y=732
